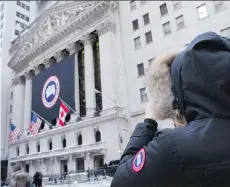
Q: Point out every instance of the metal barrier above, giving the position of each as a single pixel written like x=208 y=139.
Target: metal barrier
x=92 y=175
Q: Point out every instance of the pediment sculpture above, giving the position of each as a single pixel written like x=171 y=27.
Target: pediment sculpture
x=51 y=24
x=48 y=25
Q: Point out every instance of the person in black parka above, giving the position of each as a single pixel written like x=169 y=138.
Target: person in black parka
x=37 y=179
x=191 y=87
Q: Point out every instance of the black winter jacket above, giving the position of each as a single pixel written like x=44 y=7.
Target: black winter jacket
x=198 y=154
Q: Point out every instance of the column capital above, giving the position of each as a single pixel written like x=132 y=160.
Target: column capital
x=56 y=159
x=73 y=47
x=18 y=80
x=105 y=27
x=88 y=39
x=71 y=157
x=28 y=75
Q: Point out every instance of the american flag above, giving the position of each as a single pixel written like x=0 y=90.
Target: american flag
x=35 y=124
x=14 y=133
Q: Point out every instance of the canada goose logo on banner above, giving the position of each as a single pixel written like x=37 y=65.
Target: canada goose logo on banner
x=50 y=91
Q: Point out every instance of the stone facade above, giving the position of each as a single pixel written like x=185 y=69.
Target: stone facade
x=67 y=26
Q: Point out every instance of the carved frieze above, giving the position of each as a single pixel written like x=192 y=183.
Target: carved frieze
x=51 y=30
x=105 y=27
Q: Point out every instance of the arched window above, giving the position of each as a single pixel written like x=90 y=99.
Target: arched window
x=98 y=136
x=64 y=142
x=38 y=147
x=42 y=126
x=50 y=144
x=79 y=139
x=67 y=118
x=27 y=149
x=17 y=151
x=54 y=121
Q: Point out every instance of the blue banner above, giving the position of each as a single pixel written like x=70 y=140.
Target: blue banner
x=50 y=84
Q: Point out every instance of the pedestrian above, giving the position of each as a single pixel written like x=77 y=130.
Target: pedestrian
x=19 y=178
x=192 y=88
x=37 y=179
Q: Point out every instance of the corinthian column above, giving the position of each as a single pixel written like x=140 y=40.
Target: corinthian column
x=89 y=74
x=28 y=99
x=107 y=46
x=73 y=48
x=18 y=102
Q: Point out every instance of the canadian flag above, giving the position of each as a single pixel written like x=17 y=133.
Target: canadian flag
x=64 y=110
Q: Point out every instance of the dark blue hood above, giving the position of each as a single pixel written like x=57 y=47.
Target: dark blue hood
x=201 y=78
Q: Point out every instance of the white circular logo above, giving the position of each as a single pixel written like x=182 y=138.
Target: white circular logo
x=50 y=91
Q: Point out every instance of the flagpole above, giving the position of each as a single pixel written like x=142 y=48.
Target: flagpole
x=69 y=106
x=41 y=118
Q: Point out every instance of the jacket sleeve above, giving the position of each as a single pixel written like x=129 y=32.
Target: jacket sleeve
x=159 y=166
x=13 y=182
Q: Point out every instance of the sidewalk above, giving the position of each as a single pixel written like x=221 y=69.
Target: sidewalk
x=92 y=183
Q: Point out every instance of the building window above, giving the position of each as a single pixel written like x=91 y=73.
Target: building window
x=150 y=61
x=10 y=109
x=80 y=165
x=21 y=4
x=146 y=19
x=27 y=168
x=64 y=143
x=38 y=147
x=163 y=9
x=225 y=32
x=18 y=14
x=79 y=139
x=27 y=8
x=143 y=94
x=176 y=5
x=135 y=25
x=17 y=151
x=219 y=5
x=22 y=25
x=166 y=28
x=140 y=69
x=202 y=11
x=50 y=144
x=27 y=149
x=148 y=37
x=98 y=136
x=137 y=43
x=132 y=5
x=180 y=22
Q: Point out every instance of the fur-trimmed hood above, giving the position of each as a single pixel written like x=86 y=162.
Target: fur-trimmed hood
x=20 y=178
x=198 y=77
x=159 y=86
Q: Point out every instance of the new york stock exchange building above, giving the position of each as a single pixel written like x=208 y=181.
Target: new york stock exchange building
x=71 y=53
